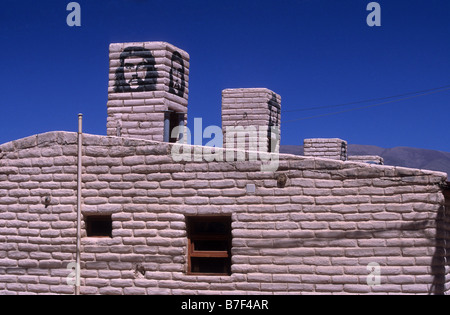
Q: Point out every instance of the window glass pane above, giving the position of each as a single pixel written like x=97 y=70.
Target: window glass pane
x=211 y=228
x=207 y=245
x=210 y=265
x=209 y=237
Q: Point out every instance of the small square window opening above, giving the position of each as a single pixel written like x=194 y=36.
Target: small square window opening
x=99 y=226
x=209 y=245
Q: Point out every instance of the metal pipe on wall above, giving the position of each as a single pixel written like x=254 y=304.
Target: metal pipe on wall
x=80 y=145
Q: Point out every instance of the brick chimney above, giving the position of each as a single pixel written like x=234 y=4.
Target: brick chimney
x=251 y=119
x=148 y=90
x=334 y=148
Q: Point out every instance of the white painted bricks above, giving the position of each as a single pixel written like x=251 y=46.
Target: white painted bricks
x=373 y=159
x=146 y=79
x=332 y=148
x=248 y=114
x=315 y=235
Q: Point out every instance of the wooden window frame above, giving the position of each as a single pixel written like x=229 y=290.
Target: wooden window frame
x=193 y=238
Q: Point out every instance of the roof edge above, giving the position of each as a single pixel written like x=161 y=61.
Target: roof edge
x=317 y=163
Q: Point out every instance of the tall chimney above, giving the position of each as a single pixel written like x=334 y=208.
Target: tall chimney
x=251 y=119
x=148 y=90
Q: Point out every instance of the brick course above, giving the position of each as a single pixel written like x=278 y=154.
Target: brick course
x=247 y=115
x=315 y=235
x=140 y=114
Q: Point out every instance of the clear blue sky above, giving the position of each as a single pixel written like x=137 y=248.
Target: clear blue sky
x=312 y=52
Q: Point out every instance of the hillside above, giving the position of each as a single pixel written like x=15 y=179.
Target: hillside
x=398 y=156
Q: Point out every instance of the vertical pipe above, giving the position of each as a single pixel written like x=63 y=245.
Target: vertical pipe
x=80 y=144
x=166 y=126
x=181 y=128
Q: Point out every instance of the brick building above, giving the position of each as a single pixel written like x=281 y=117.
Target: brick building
x=213 y=221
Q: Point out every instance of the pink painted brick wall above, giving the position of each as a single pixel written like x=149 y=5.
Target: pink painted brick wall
x=316 y=235
x=136 y=109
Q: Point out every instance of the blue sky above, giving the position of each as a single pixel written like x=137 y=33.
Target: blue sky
x=314 y=53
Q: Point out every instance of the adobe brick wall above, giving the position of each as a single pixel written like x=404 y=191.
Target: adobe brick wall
x=37 y=242
x=246 y=108
x=315 y=235
x=373 y=159
x=139 y=113
x=330 y=148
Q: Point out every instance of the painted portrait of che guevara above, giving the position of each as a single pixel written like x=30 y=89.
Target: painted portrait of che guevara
x=274 y=122
x=137 y=72
x=177 y=82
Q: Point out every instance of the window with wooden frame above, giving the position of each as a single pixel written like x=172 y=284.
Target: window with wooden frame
x=209 y=245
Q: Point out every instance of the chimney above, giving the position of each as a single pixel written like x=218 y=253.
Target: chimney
x=251 y=119
x=148 y=90
x=370 y=159
x=335 y=149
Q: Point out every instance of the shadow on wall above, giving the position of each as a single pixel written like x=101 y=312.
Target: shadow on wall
x=334 y=235
x=441 y=255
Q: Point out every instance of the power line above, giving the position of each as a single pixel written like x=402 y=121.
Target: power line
x=365 y=101
x=432 y=91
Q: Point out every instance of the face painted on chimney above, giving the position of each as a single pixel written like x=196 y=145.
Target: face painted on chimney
x=177 y=84
x=176 y=76
x=135 y=70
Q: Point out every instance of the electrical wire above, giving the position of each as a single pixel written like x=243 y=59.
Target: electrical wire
x=422 y=93
x=365 y=101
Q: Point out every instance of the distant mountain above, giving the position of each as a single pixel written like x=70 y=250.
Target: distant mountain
x=399 y=156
